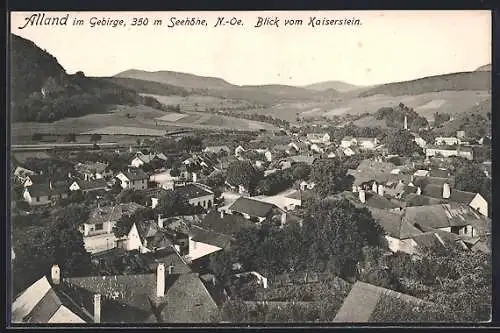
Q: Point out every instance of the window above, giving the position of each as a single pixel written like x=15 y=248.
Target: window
x=99 y=226
x=37 y=199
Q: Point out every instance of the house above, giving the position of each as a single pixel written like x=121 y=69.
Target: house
x=217 y=150
x=223 y=223
x=93 y=170
x=196 y=194
x=318 y=138
x=317 y=149
x=297 y=147
x=367 y=303
x=89 y=185
x=133 y=179
x=164 y=179
x=464 y=152
x=147 y=236
x=98 y=232
x=448 y=141
x=40 y=303
x=161 y=297
x=238 y=151
x=375 y=200
x=455 y=218
x=301 y=159
x=460 y=134
x=348 y=152
x=33 y=179
x=421 y=173
x=141 y=159
x=21 y=174
x=44 y=194
x=306 y=185
x=153 y=195
x=204 y=242
x=256 y=210
x=420 y=141
x=363 y=143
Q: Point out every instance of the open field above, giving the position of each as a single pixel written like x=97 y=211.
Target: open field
x=199 y=102
x=452 y=102
x=124 y=130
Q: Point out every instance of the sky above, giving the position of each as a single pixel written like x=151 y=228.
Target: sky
x=388 y=46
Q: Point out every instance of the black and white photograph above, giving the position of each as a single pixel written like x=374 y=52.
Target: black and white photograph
x=250 y=167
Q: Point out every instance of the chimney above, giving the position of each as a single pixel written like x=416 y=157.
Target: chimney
x=374 y=187
x=283 y=218
x=97 y=308
x=354 y=189
x=381 y=190
x=50 y=184
x=446 y=191
x=160 y=280
x=406 y=123
x=419 y=191
x=160 y=221
x=195 y=177
x=55 y=274
x=221 y=213
x=362 y=196
x=170 y=269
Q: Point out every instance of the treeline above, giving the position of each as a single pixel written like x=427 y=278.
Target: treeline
x=42 y=91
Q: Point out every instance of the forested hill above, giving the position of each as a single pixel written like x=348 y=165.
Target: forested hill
x=42 y=91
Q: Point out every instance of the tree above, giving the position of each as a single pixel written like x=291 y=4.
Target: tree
x=330 y=176
x=243 y=173
x=95 y=137
x=71 y=137
x=469 y=177
x=221 y=265
x=173 y=204
x=65 y=241
x=402 y=143
x=337 y=232
x=301 y=171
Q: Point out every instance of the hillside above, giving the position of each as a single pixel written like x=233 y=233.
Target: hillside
x=484 y=68
x=466 y=81
x=148 y=87
x=184 y=80
x=335 y=85
x=209 y=86
x=476 y=122
x=42 y=91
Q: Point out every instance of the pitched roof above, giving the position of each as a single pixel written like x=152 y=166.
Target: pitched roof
x=217 y=149
x=92 y=184
x=191 y=191
x=377 y=201
x=210 y=237
x=137 y=174
x=363 y=302
x=112 y=213
x=439 y=173
x=461 y=196
x=41 y=190
x=132 y=298
x=440 y=216
x=91 y=167
x=39 y=303
x=229 y=224
x=393 y=224
x=437 y=181
x=302 y=159
x=251 y=207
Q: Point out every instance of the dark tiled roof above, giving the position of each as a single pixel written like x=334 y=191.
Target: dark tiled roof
x=393 y=224
x=433 y=191
x=437 y=181
x=421 y=200
x=251 y=207
x=461 y=196
x=112 y=213
x=92 y=184
x=210 y=237
x=377 y=201
x=428 y=241
x=229 y=224
x=191 y=191
x=41 y=190
x=364 y=299
x=135 y=174
x=439 y=173
x=132 y=298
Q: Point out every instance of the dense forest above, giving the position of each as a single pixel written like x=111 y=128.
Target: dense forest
x=42 y=91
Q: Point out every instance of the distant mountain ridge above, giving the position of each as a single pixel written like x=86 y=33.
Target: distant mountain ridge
x=484 y=68
x=335 y=85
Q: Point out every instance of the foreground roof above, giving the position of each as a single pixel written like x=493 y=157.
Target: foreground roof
x=251 y=207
